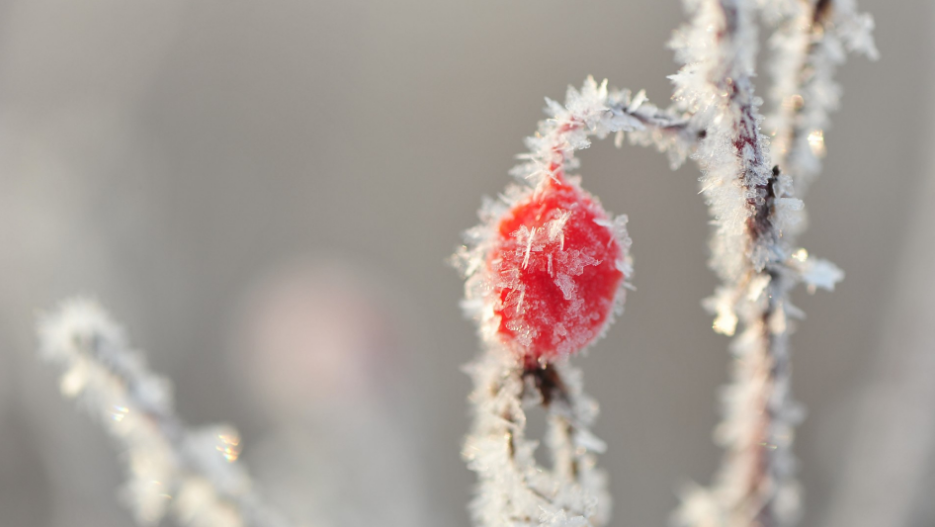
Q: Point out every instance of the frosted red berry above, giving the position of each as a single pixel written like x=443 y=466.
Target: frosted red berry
x=556 y=270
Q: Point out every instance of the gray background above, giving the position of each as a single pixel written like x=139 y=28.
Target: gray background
x=165 y=156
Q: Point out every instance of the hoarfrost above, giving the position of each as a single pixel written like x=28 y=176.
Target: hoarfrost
x=513 y=489
x=169 y=467
x=753 y=190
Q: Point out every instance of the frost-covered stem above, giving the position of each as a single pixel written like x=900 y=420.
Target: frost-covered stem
x=513 y=489
x=756 y=217
x=747 y=200
x=672 y=132
x=751 y=477
x=809 y=44
x=597 y=111
x=794 y=44
x=193 y=472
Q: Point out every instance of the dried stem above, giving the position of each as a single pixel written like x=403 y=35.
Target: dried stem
x=596 y=111
x=513 y=489
x=751 y=479
x=192 y=472
x=809 y=45
x=756 y=217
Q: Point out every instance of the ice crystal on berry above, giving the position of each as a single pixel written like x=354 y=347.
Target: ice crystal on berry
x=555 y=267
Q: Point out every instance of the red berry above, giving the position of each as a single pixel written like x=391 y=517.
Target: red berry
x=555 y=265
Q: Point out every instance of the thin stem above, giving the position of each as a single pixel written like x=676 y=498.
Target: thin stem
x=669 y=130
x=809 y=45
x=794 y=41
x=745 y=195
x=513 y=489
x=597 y=111
x=192 y=472
x=755 y=504
x=756 y=216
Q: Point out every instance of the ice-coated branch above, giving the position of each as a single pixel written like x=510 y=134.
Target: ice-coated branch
x=596 y=111
x=808 y=45
x=513 y=489
x=755 y=212
x=191 y=472
x=669 y=131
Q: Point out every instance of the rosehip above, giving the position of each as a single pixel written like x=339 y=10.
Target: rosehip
x=556 y=266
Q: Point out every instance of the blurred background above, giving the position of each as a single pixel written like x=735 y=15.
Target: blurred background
x=265 y=193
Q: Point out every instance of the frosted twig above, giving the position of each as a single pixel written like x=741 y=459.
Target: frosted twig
x=670 y=131
x=752 y=204
x=513 y=489
x=808 y=45
x=595 y=111
x=193 y=473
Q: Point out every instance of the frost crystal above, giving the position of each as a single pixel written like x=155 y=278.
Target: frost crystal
x=169 y=467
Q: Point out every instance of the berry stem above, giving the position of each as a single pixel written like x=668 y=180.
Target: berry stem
x=513 y=489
